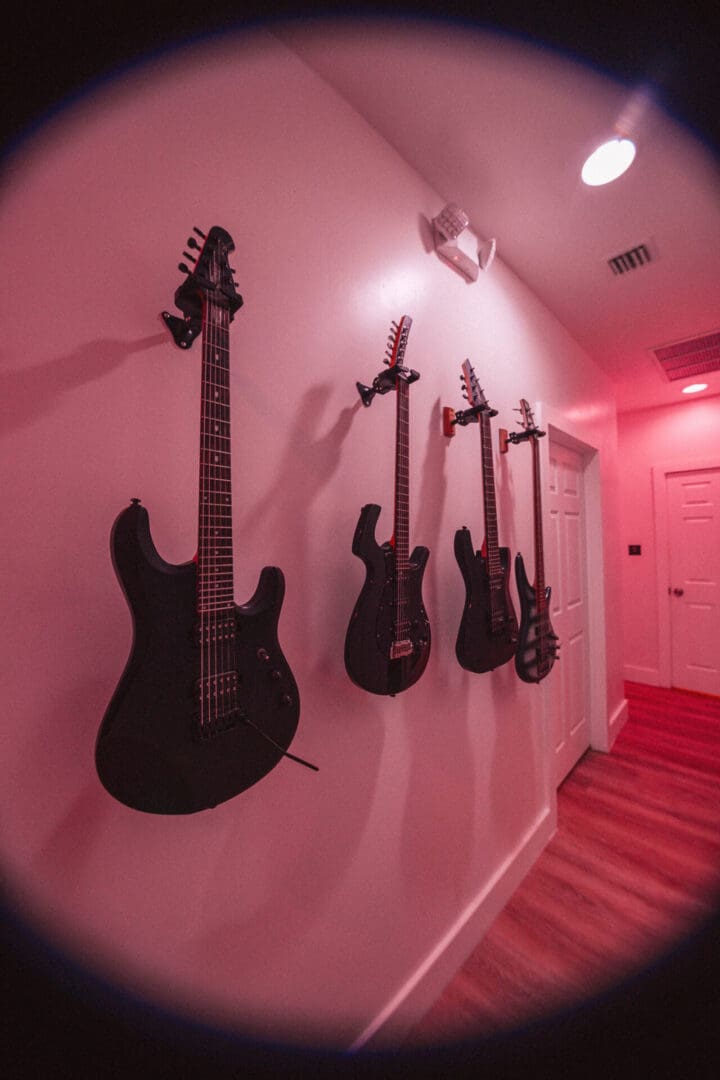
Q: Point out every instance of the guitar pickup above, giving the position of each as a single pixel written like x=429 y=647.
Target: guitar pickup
x=402 y=648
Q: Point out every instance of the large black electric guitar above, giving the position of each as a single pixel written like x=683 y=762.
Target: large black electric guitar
x=538 y=645
x=207 y=703
x=488 y=632
x=388 y=640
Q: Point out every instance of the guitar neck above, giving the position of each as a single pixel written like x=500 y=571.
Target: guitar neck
x=401 y=532
x=215 y=545
x=492 y=548
x=537 y=516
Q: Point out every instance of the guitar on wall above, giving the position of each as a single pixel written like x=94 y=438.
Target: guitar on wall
x=488 y=632
x=207 y=704
x=388 y=639
x=538 y=645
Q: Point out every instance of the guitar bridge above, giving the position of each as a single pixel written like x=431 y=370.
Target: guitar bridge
x=218 y=709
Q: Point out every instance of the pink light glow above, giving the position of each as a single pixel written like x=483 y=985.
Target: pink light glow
x=695 y=388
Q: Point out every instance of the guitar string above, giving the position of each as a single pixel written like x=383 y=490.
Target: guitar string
x=212 y=551
x=218 y=558
x=201 y=533
x=401 y=489
x=402 y=509
x=490 y=513
x=225 y=540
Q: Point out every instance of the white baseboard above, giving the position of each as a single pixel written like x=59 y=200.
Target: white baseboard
x=617 y=722
x=430 y=978
x=649 y=676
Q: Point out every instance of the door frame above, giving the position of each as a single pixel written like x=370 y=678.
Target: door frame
x=560 y=430
x=660 y=474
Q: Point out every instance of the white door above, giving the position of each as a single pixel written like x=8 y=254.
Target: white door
x=566 y=573
x=693 y=500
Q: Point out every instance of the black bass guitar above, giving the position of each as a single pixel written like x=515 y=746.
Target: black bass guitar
x=388 y=640
x=488 y=632
x=538 y=645
x=207 y=703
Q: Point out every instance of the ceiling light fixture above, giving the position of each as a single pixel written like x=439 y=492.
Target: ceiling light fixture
x=608 y=162
x=695 y=388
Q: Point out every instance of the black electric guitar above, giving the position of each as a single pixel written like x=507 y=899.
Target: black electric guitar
x=538 y=645
x=488 y=632
x=388 y=640
x=207 y=703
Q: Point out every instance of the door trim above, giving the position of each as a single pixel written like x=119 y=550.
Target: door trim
x=559 y=430
x=660 y=474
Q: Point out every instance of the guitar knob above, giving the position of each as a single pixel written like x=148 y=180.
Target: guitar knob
x=286 y=700
x=275 y=675
x=263 y=654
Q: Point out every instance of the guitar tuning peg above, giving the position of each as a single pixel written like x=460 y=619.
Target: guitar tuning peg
x=199 y=232
x=185 y=269
x=188 y=256
x=192 y=243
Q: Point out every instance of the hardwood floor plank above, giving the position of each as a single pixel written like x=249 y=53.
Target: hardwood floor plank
x=633 y=867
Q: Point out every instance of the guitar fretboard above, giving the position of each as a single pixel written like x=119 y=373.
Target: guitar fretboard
x=489 y=502
x=215 y=545
x=402 y=505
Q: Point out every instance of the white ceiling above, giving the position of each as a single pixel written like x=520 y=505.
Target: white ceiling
x=501 y=127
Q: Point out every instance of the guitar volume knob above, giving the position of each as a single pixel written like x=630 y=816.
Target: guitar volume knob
x=263 y=654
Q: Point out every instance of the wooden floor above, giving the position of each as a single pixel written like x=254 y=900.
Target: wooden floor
x=635 y=864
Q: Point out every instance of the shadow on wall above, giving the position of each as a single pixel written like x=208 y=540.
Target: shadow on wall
x=29 y=393
x=308 y=464
x=428 y=520
x=434 y=818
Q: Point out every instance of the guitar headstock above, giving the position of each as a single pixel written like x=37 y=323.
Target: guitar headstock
x=397 y=342
x=394 y=356
x=211 y=280
x=212 y=276
x=473 y=392
x=531 y=430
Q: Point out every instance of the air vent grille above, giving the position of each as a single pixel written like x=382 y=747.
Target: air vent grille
x=632 y=259
x=686 y=359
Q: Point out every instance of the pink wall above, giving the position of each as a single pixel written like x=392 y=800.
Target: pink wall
x=303 y=906
x=677 y=434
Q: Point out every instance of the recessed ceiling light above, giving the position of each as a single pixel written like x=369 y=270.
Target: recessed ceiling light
x=608 y=162
x=695 y=388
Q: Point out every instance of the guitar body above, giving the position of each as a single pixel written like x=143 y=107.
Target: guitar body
x=370 y=633
x=484 y=642
x=537 y=646
x=152 y=753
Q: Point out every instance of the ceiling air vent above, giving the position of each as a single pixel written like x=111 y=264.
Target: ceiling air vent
x=632 y=259
x=686 y=359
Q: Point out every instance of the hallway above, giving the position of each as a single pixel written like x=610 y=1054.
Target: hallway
x=634 y=863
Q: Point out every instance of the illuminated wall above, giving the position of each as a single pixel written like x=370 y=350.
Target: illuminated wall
x=680 y=435
x=315 y=906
